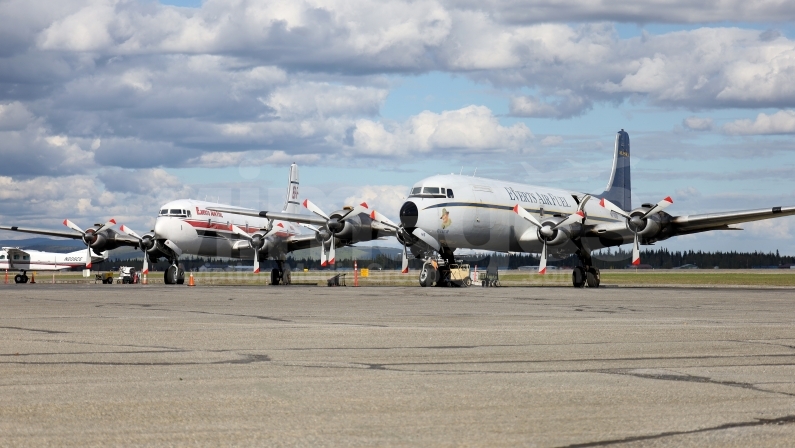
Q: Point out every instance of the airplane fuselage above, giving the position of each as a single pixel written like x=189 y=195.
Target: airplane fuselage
x=15 y=259
x=196 y=230
x=471 y=212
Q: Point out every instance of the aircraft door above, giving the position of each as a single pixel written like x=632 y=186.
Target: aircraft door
x=477 y=231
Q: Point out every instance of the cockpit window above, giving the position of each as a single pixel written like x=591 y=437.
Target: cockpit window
x=416 y=190
x=175 y=212
x=163 y=212
x=188 y=213
x=450 y=193
x=430 y=190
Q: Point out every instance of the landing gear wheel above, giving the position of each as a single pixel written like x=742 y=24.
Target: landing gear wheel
x=180 y=276
x=170 y=276
x=427 y=276
x=593 y=278
x=18 y=278
x=467 y=282
x=274 y=276
x=578 y=277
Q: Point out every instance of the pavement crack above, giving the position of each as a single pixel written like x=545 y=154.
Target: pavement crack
x=691 y=379
x=786 y=420
x=36 y=330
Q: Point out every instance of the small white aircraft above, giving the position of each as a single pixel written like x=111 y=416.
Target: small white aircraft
x=447 y=212
x=14 y=258
x=202 y=228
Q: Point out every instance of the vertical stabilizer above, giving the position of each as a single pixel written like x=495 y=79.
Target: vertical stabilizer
x=619 y=188
x=291 y=205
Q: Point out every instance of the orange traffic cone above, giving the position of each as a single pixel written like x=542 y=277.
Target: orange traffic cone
x=33 y=278
x=191 y=282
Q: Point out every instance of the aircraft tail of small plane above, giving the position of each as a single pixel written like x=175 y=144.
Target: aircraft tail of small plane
x=619 y=188
x=291 y=205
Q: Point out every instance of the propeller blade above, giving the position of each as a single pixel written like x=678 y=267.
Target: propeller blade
x=73 y=226
x=256 y=261
x=574 y=217
x=361 y=208
x=323 y=262
x=130 y=232
x=524 y=214
x=107 y=225
x=658 y=207
x=145 y=269
x=613 y=208
x=314 y=209
x=542 y=265
x=238 y=231
x=405 y=265
x=635 y=251
x=88 y=257
x=331 y=254
x=379 y=218
x=429 y=240
x=584 y=201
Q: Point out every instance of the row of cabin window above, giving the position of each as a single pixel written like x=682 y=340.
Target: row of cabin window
x=433 y=190
x=175 y=212
x=16 y=257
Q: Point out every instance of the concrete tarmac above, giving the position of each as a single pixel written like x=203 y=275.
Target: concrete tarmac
x=106 y=365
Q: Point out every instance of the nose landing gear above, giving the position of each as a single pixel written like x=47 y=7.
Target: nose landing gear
x=175 y=274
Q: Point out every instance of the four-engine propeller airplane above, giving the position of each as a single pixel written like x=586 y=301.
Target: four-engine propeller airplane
x=447 y=212
x=193 y=227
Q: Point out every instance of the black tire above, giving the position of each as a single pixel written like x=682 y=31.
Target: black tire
x=170 y=276
x=180 y=276
x=428 y=276
x=24 y=278
x=467 y=282
x=274 y=276
x=593 y=278
x=18 y=278
x=578 y=277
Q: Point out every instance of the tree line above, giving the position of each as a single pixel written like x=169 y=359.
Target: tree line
x=605 y=259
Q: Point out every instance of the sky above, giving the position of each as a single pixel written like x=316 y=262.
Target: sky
x=110 y=108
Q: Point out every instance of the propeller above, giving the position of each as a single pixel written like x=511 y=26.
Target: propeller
x=381 y=219
x=147 y=243
x=255 y=241
x=90 y=236
x=547 y=231
x=637 y=222
x=334 y=225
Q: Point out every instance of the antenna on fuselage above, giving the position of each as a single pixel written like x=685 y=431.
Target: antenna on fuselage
x=476 y=172
x=462 y=170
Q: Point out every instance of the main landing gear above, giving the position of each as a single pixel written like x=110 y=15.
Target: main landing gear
x=587 y=274
x=279 y=275
x=175 y=274
x=21 y=278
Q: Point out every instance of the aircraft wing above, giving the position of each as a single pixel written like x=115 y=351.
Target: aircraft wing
x=281 y=216
x=301 y=242
x=722 y=221
x=61 y=233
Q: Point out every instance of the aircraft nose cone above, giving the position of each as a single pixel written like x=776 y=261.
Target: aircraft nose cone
x=161 y=229
x=409 y=214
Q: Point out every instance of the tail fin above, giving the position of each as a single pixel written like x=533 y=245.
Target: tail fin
x=619 y=188
x=291 y=204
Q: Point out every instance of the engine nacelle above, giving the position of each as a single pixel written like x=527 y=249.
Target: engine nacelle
x=563 y=234
x=355 y=228
x=654 y=228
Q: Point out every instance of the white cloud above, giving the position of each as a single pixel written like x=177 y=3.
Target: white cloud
x=473 y=128
x=325 y=100
x=781 y=122
x=552 y=140
x=698 y=123
x=387 y=199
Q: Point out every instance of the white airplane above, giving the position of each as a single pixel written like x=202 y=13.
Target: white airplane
x=202 y=228
x=14 y=258
x=98 y=239
x=447 y=212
